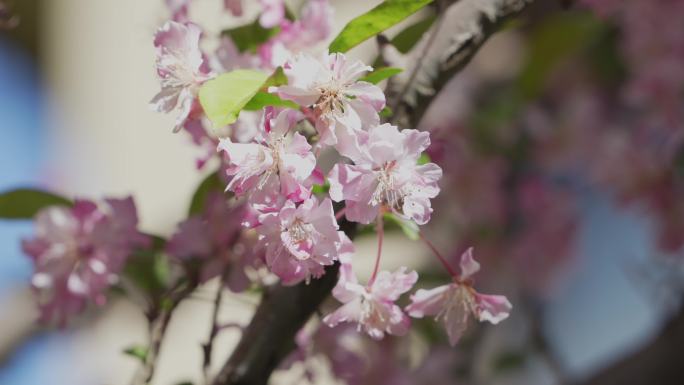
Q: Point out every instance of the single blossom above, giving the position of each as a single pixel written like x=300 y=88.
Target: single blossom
x=301 y=240
x=218 y=239
x=278 y=163
x=273 y=13
x=386 y=176
x=179 y=8
x=341 y=103
x=311 y=28
x=455 y=303
x=182 y=69
x=372 y=307
x=78 y=252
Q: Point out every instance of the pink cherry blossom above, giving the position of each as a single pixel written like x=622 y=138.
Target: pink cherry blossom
x=385 y=176
x=277 y=163
x=453 y=304
x=182 y=70
x=234 y=6
x=372 y=307
x=228 y=57
x=178 y=9
x=301 y=240
x=218 y=239
x=78 y=252
x=273 y=13
x=329 y=85
x=311 y=28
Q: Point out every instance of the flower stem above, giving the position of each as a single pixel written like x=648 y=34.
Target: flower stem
x=438 y=255
x=339 y=214
x=381 y=232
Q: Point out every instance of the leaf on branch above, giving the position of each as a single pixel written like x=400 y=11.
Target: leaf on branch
x=406 y=39
x=409 y=227
x=378 y=19
x=211 y=183
x=277 y=78
x=250 y=36
x=149 y=270
x=464 y=30
x=25 y=203
x=223 y=97
x=264 y=99
x=137 y=351
x=380 y=74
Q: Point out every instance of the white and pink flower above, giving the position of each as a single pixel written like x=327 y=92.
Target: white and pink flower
x=372 y=307
x=329 y=85
x=278 y=164
x=219 y=240
x=182 y=69
x=301 y=240
x=78 y=253
x=386 y=176
x=455 y=303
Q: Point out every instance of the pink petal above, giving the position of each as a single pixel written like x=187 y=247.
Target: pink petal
x=492 y=308
x=469 y=265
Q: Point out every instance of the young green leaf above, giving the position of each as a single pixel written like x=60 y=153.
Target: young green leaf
x=406 y=39
x=250 y=36
x=137 y=351
x=223 y=97
x=380 y=74
x=409 y=227
x=25 y=203
x=277 y=78
x=211 y=183
x=378 y=19
x=263 y=99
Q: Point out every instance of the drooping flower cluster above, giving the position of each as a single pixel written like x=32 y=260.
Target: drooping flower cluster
x=275 y=168
x=455 y=303
x=78 y=253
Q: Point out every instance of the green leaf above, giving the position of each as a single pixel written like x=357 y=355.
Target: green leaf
x=386 y=112
x=423 y=159
x=321 y=189
x=149 y=270
x=409 y=227
x=555 y=40
x=249 y=37
x=137 y=351
x=406 y=39
x=276 y=79
x=508 y=361
x=263 y=99
x=381 y=74
x=25 y=203
x=211 y=183
x=223 y=97
x=378 y=19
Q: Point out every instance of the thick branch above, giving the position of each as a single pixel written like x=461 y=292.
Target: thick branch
x=468 y=24
x=270 y=335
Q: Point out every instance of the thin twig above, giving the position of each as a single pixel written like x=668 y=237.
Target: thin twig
x=213 y=331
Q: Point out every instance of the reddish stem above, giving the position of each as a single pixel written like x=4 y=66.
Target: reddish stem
x=339 y=214
x=438 y=255
x=381 y=233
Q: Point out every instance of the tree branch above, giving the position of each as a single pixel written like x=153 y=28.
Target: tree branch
x=468 y=24
x=269 y=338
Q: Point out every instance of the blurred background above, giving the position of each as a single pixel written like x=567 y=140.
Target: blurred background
x=561 y=144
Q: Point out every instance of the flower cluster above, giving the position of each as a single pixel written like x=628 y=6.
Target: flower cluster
x=78 y=253
x=275 y=169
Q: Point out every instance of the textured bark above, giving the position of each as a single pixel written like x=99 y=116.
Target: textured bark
x=457 y=35
x=270 y=335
